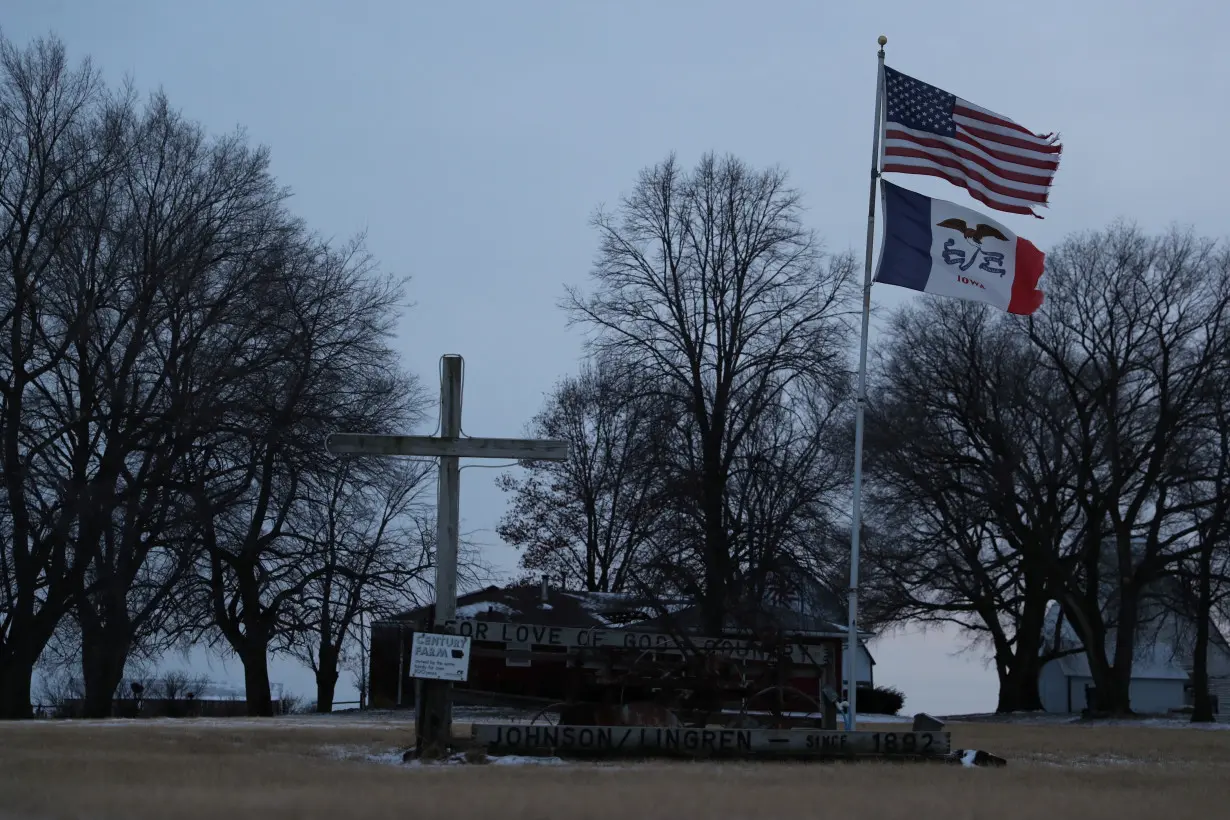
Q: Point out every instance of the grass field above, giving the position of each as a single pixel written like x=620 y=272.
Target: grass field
x=349 y=769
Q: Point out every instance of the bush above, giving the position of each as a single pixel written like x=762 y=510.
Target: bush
x=879 y=700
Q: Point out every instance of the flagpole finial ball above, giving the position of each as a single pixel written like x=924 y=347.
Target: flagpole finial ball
x=882 y=40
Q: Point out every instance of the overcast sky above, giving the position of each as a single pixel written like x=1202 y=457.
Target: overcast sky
x=472 y=141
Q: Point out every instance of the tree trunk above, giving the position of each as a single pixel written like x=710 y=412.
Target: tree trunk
x=18 y=657
x=1090 y=630
x=1203 y=702
x=255 y=659
x=1018 y=686
x=326 y=679
x=713 y=602
x=1117 y=698
x=103 y=657
x=16 y=674
x=717 y=557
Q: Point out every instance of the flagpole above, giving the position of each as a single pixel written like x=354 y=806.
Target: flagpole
x=856 y=517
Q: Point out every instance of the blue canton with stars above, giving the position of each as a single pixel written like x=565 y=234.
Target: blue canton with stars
x=917 y=105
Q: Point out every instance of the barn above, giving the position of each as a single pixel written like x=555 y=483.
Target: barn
x=1161 y=669
x=1165 y=644
x=507 y=667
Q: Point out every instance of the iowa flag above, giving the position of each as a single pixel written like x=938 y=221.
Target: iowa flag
x=939 y=247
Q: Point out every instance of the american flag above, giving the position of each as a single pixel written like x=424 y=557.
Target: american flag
x=929 y=131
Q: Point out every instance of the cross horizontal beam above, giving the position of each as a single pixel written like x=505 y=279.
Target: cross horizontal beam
x=365 y=444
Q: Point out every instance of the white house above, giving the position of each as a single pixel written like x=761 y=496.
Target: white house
x=1161 y=667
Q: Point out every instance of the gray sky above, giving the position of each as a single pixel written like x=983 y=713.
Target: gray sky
x=472 y=141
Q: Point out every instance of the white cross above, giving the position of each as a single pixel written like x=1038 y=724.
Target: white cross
x=449 y=446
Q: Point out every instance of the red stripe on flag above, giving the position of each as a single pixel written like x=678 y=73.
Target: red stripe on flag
x=991 y=119
x=966 y=154
x=960 y=182
x=1007 y=156
x=990 y=184
x=1030 y=263
x=1015 y=142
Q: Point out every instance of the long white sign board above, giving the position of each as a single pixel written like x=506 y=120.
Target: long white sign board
x=440 y=657
x=696 y=741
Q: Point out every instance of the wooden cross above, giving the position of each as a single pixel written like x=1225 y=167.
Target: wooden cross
x=435 y=724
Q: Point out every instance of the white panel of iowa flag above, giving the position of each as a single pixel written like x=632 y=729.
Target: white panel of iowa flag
x=939 y=247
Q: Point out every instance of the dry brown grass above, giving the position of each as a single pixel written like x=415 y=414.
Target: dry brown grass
x=317 y=769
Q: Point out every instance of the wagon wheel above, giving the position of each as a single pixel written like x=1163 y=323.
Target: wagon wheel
x=664 y=673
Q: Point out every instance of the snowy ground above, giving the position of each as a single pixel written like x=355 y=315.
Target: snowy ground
x=1046 y=719
x=400 y=719
x=380 y=737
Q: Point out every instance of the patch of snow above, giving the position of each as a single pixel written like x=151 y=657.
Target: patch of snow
x=458 y=759
x=600 y=604
x=361 y=753
x=867 y=717
x=386 y=759
x=1084 y=762
x=864 y=717
x=474 y=610
x=1059 y=719
x=545 y=606
x=764 y=713
x=1173 y=723
x=524 y=760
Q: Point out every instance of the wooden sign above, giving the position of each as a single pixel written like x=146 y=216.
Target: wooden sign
x=435 y=656
x=578 y=638
x=652 y=740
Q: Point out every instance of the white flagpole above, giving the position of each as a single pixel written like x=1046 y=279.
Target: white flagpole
x=856 y=517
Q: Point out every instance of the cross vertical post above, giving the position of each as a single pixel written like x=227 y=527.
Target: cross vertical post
x=433 y=698
x=434 y=729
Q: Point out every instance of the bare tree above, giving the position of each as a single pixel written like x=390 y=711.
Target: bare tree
x=790 y=474
x=185 y=208
x=327 y=324
x=709 y=286
x=369 y=546
x=61 y=143
x=1203 y=580
x=174 y=347
x=1135 y=331
x=589 y=517
x=969 y=484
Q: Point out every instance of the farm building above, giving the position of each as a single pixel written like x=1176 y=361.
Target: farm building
x=1165 y=648
x=1161 y=669
x=546 y=664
